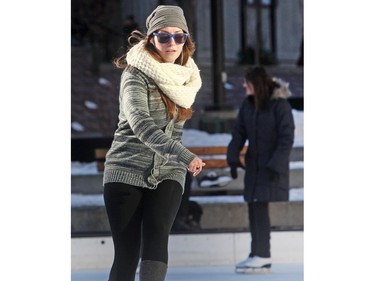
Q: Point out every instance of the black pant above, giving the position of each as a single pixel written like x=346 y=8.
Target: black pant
x=260 y=229
x=183 y=211
x=140 y=217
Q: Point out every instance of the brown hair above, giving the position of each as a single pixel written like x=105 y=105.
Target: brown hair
x=187 y=51
x=263 y=85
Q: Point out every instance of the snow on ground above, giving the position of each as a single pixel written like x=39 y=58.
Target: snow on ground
x=298 y=132
x=193 y=137
x=80 y=168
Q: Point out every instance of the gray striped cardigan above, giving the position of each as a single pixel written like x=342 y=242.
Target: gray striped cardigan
x=147 y=145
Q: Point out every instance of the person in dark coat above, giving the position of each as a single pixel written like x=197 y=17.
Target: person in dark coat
x=266 y=122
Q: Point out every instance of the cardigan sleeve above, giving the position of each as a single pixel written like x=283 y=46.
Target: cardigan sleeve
x=134 y=103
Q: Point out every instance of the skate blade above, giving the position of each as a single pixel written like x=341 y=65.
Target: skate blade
x=254 y=270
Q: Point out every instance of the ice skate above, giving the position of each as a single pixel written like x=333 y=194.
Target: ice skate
x=254 y=265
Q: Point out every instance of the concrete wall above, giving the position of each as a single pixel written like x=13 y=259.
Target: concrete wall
x=216 y=216
x=289 y=30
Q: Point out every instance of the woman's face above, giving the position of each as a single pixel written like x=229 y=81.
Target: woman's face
x=169 y=51
x=248 y=87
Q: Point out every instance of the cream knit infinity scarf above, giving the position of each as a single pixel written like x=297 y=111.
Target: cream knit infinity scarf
x=179 y=83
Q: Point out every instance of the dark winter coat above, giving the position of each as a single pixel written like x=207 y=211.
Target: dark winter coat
x=270 y=135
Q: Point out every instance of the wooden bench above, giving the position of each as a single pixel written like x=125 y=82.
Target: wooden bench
x=213 y=156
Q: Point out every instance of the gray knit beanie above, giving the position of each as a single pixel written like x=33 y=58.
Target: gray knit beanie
x=164 y=16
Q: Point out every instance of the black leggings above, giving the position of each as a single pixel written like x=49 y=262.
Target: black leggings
x=140 y=220
x=260 y=229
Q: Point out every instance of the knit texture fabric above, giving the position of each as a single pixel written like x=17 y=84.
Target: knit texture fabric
x=165 y=16
x=179 y=82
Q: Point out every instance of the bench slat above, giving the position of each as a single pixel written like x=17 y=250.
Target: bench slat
x=212 y=150
x=100 y=153
x=215 y=163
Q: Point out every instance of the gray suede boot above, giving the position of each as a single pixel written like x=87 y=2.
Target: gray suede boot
x=152 y=271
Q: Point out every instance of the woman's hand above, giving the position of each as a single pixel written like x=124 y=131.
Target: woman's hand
x=196 y=166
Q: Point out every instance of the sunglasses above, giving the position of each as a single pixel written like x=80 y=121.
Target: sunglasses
x=163 y=38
